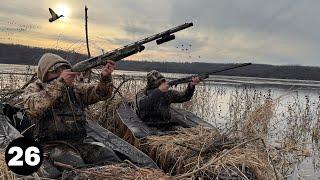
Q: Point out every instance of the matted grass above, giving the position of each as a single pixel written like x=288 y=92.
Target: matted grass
x=117 y=172
x=5 y=173
x=114 y=172
x=208 y=154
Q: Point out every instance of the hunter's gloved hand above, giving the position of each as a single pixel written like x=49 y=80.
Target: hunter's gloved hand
x=195 y=80
x=108 y=68
x=68 y=76
x=164 y=87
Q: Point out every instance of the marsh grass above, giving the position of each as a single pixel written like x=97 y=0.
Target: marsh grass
x=202 y=151
x=5 y=173
x=289 y=122
x=289 y=125
x=117 y=172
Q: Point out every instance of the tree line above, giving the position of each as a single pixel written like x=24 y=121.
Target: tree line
x=19 y=54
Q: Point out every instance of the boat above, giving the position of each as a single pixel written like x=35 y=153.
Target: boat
x=132 y=129
x=179 y=149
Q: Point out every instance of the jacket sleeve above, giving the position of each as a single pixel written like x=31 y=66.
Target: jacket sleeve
x=92 y=93
x=181 y=96
x=37 y=100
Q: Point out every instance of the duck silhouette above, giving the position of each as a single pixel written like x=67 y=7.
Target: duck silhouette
x=54 y=16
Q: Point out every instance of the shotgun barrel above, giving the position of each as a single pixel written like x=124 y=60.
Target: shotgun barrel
x=128 y=50
x=204 y=75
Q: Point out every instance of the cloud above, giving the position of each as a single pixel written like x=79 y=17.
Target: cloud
x=253 y=28
x=277 y=32
x=26 y=9
x=135 y=29
x=117 y=41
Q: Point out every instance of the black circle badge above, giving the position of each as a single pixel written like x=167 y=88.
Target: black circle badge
x=24 y=156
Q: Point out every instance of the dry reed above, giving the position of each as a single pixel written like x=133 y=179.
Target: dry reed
x=249 y=112
x=114 y=172
x=5 y=173
x=117 y=172
x=190 y=149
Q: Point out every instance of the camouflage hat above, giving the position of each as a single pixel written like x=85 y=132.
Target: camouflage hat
x=153 y=78
x=56 y=66
x=49 y=62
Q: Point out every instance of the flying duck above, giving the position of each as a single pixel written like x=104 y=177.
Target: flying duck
x=54 y=16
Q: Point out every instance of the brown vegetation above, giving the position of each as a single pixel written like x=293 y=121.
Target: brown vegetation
x=256 y=138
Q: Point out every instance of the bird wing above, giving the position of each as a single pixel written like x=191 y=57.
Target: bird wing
x=53 y=14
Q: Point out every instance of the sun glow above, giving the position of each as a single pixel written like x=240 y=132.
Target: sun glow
x=63 y=9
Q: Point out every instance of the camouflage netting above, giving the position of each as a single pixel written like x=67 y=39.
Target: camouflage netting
x=196 y=152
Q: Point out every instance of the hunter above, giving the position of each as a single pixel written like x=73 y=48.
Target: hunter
x=58 y=103
x=153 y=102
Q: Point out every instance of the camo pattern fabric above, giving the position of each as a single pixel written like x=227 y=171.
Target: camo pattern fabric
x=154 y=105
x=59 y=109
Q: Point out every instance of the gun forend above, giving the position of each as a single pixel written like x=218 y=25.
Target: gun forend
x=102 y=59
x=165 y=39
x=126 y=53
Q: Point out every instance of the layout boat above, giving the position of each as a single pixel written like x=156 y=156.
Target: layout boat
x=132 y=129
x=179 y=146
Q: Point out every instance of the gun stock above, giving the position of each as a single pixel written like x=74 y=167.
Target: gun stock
x=128 y=50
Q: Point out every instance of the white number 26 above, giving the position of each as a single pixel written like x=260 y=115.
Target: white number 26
x=32 y=157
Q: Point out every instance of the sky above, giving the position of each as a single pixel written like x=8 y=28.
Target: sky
x=279 y=32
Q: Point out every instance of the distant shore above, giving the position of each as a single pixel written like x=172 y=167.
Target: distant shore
x=25 y=55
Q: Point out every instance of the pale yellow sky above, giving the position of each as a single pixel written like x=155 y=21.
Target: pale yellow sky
x=269 y=32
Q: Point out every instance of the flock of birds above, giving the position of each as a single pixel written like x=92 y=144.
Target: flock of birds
x=13 y=27
x=184 y=49
x=187 y=49
x=9 y=31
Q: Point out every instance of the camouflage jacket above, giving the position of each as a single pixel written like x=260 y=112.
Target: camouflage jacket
x=155 y=105
x=59 y=110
